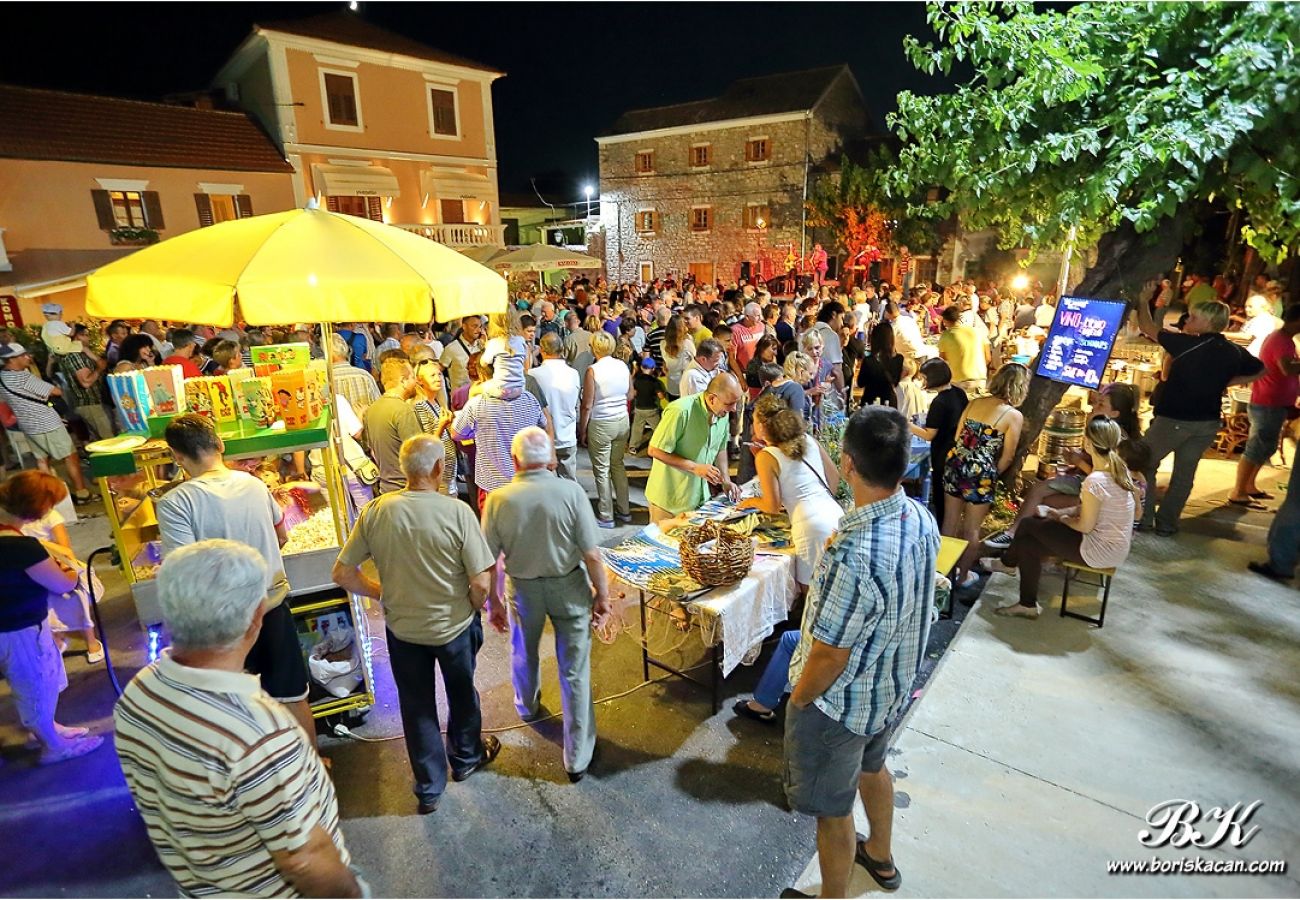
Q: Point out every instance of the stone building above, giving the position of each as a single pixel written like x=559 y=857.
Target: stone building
x=715 y=188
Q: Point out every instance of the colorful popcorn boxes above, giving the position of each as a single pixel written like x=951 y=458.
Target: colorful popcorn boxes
x=131 y=396
x=258 y=400
x=237 y=378
x=276 y=357
x=211 y=397
x=166 y=386
x=297 y=397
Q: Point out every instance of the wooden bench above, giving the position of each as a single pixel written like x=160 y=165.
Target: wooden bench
x=1104 y=579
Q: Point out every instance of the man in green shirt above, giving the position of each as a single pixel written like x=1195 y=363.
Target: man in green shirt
x=83 y=371
x=689 y=450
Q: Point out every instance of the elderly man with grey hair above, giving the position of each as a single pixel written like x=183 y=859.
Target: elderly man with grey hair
x=357 y=385
x=434 y=573
x=546 y=529
x=215 y=765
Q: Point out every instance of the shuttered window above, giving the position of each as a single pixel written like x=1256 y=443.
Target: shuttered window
x=758 y=150
x=214 y=208
x=701 y=218
x=127 y=209
x=645 y=162
x=341 y=97
x=647 y=221
x=362 y=207
x=757 y=216
x=443 y=103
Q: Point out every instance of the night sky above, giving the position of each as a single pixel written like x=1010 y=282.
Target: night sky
x=572 y=68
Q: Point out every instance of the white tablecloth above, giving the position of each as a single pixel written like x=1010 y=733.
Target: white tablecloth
x=741 y=616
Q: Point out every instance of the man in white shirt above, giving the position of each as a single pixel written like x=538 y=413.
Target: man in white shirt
x=216 y=502
x=700 y=372
x=1260 y=322
x=456 y=355
x=907 y=333
x=829 y=321
x=1045 y=313
x=560 y=385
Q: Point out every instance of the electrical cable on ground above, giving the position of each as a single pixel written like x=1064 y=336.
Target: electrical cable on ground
x=341 y=730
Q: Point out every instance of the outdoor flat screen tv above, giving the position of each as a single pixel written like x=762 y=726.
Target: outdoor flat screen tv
x=1081 y=339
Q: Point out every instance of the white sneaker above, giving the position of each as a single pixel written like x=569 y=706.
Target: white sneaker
x=1015 y=610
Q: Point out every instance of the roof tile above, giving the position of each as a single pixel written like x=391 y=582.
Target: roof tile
x=351 y=30
x=56 y=125
x=762 y=96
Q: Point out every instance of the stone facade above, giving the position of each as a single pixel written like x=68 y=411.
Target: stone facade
x=729 y=186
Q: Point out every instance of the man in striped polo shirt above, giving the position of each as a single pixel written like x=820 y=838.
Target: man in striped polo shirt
x=232 y=793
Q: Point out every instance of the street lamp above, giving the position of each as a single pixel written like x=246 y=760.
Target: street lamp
x=1020 y=283
x=586 y=189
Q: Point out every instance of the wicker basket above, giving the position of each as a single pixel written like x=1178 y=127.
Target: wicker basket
x=729 y=562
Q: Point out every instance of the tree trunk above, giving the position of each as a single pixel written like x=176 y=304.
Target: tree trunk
x=1126 y=263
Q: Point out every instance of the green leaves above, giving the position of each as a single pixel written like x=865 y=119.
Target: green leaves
x=1106 y=113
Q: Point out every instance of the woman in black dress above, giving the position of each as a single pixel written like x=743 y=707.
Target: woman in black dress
x=882 y=368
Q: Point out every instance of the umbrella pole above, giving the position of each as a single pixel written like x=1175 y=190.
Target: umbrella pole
x=341 y=502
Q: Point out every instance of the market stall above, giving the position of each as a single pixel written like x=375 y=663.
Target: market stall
x=278 y=269
x=732 y=621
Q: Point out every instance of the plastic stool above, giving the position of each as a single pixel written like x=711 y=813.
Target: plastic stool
x=1104 y=576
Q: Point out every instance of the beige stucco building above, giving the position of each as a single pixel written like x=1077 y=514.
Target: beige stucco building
x=375 y=124
x=85 y=180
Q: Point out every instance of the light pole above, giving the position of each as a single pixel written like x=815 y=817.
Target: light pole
x=587 y=190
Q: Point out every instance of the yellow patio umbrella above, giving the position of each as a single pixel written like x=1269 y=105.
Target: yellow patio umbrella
x=304 y=265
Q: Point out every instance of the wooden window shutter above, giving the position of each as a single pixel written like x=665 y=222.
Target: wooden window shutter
x=244 y=204
x=103 y=209
x=375 y=208
x=204 y=204
x=332 y=204
x=153 y=216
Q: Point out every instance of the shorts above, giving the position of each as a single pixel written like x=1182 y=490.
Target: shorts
x=1265 y=428
x=56 y=444
x=823 y=761
x=276 y=658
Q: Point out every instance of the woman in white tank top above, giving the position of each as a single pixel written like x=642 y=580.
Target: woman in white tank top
x=604 y=426
x=797 y=476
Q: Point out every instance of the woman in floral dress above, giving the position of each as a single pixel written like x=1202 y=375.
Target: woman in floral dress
x=987 y=435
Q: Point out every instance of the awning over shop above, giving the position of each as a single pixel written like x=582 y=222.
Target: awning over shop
x=456 y=185
x=355 y=181
x=40 y=272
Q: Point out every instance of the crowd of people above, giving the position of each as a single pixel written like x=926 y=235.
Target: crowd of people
x=461 y=443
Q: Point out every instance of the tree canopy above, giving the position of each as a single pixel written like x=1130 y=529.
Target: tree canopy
x=1107 y=116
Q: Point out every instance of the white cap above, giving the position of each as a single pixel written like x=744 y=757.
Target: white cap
x=52 y=309
x=10 y=351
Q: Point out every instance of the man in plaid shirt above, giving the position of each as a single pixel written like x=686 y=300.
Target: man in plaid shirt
x=864 y=633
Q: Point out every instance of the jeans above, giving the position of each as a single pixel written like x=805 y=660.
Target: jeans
x=1187 y=441
x=606 y=444
x=413 y=670
x=775 y=681
x=566 y=601
x=1284 y=533
x=1265 y=428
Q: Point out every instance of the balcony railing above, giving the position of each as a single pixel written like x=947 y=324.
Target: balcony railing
x=460 y=235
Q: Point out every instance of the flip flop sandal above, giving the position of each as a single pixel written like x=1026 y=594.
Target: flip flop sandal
x=1247 y=503
x=874 y=868
x=1260 y=495
x=742 y=708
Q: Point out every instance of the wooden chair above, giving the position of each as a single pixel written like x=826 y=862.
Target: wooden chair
x=1104 y=578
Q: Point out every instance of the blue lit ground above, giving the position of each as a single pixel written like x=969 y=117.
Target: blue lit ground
x=1028 y=763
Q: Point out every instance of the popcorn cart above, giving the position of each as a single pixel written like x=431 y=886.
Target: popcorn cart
x=135 y=470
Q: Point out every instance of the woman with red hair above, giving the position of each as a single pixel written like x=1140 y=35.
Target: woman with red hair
x=31 y=496
x=28 y=657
